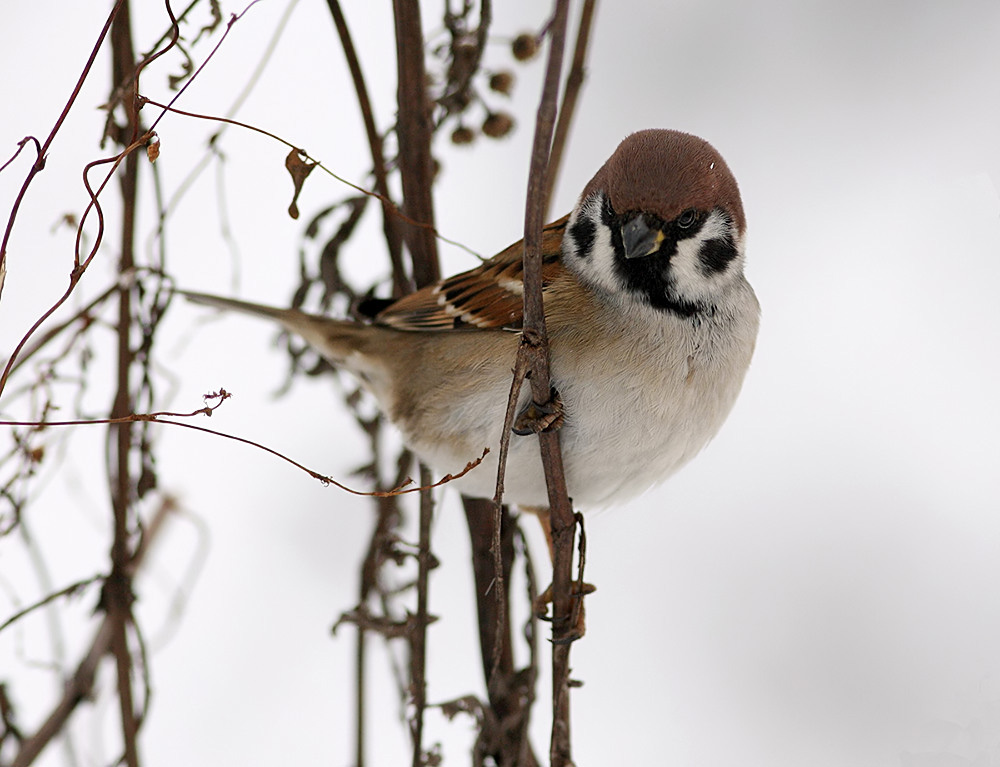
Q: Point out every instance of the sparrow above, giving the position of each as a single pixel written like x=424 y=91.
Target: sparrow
x=651 y=327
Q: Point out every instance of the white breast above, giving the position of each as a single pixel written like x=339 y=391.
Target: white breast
x=635 y=413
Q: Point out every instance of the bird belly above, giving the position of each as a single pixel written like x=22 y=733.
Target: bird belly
x=613 y=448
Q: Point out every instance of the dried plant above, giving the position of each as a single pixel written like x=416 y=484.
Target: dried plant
x=443 y=86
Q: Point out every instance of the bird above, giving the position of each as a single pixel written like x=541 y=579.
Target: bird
x=651 y=327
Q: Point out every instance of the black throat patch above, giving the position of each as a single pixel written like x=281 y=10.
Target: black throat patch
x=649 y=276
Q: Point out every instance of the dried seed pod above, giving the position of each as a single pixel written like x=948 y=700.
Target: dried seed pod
x=498 y=124
x=502 y=82
x=525 y=46
x=462 y=135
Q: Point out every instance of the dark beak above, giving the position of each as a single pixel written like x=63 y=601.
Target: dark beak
x=639 y=239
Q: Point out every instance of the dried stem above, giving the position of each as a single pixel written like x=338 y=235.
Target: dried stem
x=80 y=686
x=535 y=346
x=510 y=691
x=117 y=598
x=413 y=131
x=571 y=91
x=418 y=639
x=39 y=163
x=390 y=227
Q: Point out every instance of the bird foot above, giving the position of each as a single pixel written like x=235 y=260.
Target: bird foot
x=535 y=418
x=578 y=619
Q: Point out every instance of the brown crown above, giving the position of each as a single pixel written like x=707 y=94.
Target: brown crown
x=665 y=172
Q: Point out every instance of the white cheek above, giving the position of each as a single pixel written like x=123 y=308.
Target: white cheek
x=686 y=270
x=597 y=269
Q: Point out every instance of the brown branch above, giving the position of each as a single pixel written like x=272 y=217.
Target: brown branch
x=401 y=489
x=79 y=267
x=418 y=637
x=571 y=91
x=535 y=346
x=117 y=597
x=499 y=577
x=380 y=551
x=39 y=163
x=511 y=691
x=318 y=164
x=393 y=238
x=36 y=168
x=413 y=132
x=82 y=315
x=80 y=686
x=128 y=84
x=71 y=590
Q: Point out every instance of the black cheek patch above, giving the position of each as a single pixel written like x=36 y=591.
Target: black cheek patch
x=716 y=255
x=584 y=233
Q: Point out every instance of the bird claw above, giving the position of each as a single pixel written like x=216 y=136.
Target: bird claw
x=541 y=604
x=535 y=418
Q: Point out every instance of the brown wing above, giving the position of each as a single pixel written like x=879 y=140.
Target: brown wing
x=489 y=296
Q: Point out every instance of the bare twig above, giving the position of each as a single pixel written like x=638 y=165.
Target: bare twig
x=318 y=164
x=37 y=167
x=390 y=230
x=535 y=346
x=418 y=640
x=413 y=131
x=574 y=80
x=83 y=315
x=401 y=489
x=500 y=582
x=80 y=685
x=39 y=163
x=117 y=597
x=71 y=590
x=510 y=691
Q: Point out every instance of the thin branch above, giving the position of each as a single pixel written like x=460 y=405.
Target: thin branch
x=571 y=91
x=71 y=590
x=393 y=238
x=521 y=364
x=418 y=638
x=318 y=164
x=535 y=345
x=402 y=489
x=229 y=26
x=413 y=131
x=79 y=687
x=117 y=596
x=39 y=163
x=510 y=691
x=83 y=314
x=78 y=268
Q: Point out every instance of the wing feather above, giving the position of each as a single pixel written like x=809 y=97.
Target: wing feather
x=489 y=296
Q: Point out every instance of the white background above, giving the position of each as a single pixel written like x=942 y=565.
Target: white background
x=820 y=587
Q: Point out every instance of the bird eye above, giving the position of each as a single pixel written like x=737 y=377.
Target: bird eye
x=687 y=219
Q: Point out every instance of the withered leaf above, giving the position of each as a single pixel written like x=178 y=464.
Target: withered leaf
x=299 y=168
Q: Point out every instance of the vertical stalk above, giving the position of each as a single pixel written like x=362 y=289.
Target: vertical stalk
x=418 y=640
x=413 y=132
x=118 y=590
x=535 y=345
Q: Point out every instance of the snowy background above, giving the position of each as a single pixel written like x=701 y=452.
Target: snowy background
x=820 y=587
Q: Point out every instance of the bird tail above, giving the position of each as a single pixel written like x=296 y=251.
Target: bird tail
x=334 y=339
